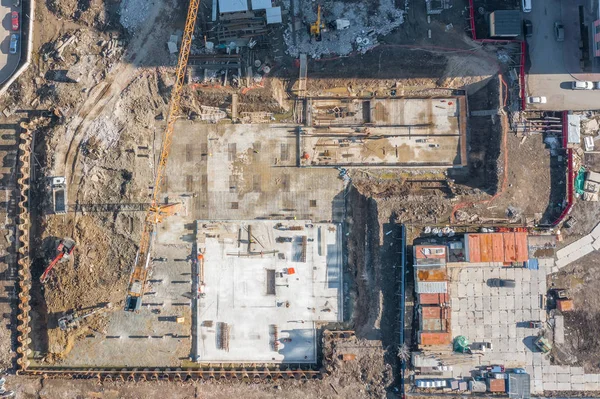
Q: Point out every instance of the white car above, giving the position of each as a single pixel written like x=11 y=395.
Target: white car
x=582 y=85
x=536 y=100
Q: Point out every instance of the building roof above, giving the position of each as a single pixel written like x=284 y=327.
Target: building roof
x=505 y=23
x=497 y=247
x=233 y=5
x=261 y=4
x=519 y=386
x=433 y=299
x=273 y=15
x=431 y=287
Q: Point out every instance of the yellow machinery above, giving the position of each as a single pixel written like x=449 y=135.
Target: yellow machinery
x=157 y=211
x=317 y=28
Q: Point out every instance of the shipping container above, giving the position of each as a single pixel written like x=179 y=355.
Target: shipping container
x=432 y=312
x=565 y=305
x=496 y=385
x=433 y=299
x=435 y=338
x=431 y=287
x=496 y=247
x=431 y=275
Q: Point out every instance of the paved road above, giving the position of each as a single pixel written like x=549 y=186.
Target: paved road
x=8 y=62
x=555 y=64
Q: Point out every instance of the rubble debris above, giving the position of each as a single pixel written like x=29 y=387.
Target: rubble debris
x=361 y=34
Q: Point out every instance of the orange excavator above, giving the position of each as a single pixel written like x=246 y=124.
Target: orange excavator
x=65 y=249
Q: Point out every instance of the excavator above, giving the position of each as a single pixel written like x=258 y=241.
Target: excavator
x=157 y=210
x=318 y=27
x=65 y=249
x=73 y=319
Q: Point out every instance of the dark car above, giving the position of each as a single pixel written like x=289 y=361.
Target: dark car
x=527 y=28
x=499 y=282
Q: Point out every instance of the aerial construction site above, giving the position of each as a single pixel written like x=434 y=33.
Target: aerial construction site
x=330 y=199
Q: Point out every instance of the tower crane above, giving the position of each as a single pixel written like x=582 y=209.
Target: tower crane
x=157 y=211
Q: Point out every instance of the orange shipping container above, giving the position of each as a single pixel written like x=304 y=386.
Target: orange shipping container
x=497 y=248
x=522 y=253
x=497 y=385
x=431 y=312
x=433 y=299
x=474 y=248
x=564 y=305
x=486 y=247
x=432 y=275
x=431 y=338
x=510 y=254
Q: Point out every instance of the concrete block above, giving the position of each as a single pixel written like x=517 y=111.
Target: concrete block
x=578 y=387
x=577 y=370
x=591 y=378
x=586 y=249
x=537 y=359
x=595 y=233
x=574 y=246
x=563 y=378
x=554 y=269
x=563 y=386
x=560 y=263
x=591 y=386
x=537 y=387
x=577 y=379
x=550 y=385
x=561 y=369
x=596 y=244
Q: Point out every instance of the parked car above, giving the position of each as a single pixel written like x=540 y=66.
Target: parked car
x=14 y=41
x=582 y=85
x=536 y=100
x=15 y=20
x=526 y=5
x=499 y=282
x=597 y=85
x=559 y=32
x=527 y=28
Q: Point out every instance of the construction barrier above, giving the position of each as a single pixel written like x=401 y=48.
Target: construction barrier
x=22 y=246
x=570 y=171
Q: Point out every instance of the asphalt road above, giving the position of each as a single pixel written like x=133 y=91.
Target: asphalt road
x=8 y=62
x=554 y=65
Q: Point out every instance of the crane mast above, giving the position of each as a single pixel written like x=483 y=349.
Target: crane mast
x=156 y=211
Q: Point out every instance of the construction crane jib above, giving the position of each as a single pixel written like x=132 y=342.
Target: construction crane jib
x=157 y=211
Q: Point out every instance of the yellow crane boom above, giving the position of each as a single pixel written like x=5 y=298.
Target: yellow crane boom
x=157 y=211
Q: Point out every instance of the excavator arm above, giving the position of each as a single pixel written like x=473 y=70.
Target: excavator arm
x=141 y=267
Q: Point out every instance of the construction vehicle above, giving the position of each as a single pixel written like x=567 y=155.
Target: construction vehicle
x=318 y=27
x=65 y=249
x=157 y=211
x=73 y=319
x=543 y=344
